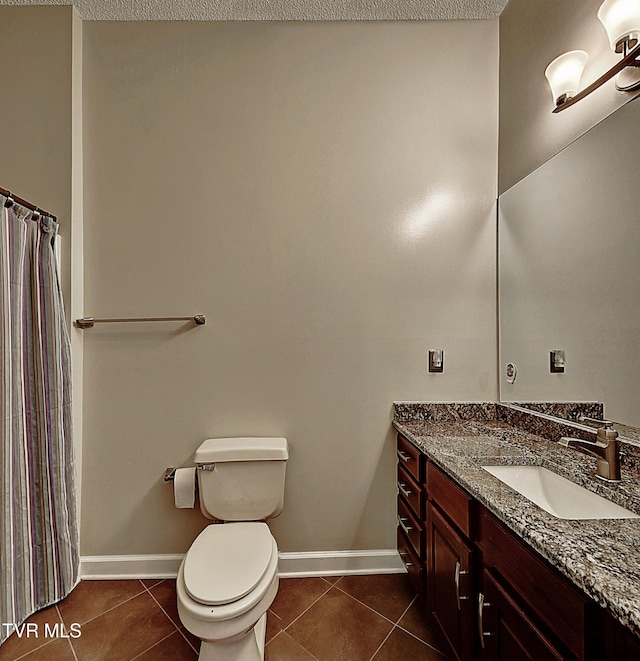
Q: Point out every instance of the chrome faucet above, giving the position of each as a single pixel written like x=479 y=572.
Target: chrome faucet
x=605 y=448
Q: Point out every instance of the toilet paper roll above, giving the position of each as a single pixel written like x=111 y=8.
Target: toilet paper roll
x=184 y=487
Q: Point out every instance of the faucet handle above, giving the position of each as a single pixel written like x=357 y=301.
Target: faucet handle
x=606 y=432
x=594 y=421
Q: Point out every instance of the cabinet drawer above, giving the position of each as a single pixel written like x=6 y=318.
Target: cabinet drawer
x=410 y=458
x=546 y=594
x=411 y=527
x=411 y=491
x=452 y=500
x=411 y=562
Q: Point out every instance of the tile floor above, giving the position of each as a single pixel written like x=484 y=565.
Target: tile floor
x=349 y=618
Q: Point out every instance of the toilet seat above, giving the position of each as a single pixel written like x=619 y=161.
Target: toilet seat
x=227 y=561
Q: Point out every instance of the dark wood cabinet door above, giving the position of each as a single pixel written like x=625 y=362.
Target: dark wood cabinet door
x=505 y=631
x=451 y=598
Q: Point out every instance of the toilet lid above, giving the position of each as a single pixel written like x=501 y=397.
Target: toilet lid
x=227 y=561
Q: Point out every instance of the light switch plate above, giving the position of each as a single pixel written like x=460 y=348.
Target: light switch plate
x=556 y=361
x=436 y=360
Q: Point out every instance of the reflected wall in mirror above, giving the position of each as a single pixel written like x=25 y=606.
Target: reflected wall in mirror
x=569 y=273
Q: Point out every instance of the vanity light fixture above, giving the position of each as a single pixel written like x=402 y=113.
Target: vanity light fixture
x=621 y=20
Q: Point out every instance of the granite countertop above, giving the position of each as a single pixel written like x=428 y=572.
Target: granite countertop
x=602 y=557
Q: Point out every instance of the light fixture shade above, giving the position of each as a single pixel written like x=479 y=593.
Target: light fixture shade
x=621 y=20
x=564 y=74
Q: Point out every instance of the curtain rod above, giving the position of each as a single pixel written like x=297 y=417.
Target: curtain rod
x=23 y=203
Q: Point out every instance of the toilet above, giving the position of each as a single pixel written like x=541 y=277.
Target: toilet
x=229 y=576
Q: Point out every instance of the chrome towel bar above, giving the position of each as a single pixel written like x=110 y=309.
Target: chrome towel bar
x=89 y=322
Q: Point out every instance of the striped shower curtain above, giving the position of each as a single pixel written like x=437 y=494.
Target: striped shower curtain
x=38 y=527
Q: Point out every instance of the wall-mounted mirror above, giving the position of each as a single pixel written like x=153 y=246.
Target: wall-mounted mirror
x=569 y=273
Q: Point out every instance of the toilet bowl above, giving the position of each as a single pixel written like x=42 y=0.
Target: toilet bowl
x=226 y=582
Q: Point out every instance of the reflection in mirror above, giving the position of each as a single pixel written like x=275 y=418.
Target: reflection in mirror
x=569 y=273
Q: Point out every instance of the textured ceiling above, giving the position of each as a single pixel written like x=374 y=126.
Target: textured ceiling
x=276 y=10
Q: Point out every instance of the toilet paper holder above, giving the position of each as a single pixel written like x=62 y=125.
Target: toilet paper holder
x=170 y=472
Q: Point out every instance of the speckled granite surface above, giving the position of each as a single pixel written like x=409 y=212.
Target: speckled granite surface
x=602 y=557
x=566 y=410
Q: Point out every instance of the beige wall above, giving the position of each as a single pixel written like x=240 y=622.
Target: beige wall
x=532 y=34
x=35 y=116
x=313 y=190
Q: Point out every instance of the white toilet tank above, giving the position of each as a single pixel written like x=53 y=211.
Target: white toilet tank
x=241 y=479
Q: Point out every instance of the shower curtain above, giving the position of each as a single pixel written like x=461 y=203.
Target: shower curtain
x=38 y=527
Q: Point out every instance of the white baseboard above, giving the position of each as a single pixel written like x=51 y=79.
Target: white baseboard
x=317 y=563
x=340 y=563
x=112 y=567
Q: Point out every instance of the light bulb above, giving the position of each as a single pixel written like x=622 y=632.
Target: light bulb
x=564 y=75
x=621 y=20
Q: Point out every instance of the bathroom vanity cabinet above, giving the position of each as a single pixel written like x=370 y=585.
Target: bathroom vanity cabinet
x=450 y=566
x=492 y=595
x=412 y=512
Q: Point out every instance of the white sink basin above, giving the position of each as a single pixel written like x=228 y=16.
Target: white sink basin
x=557 y=495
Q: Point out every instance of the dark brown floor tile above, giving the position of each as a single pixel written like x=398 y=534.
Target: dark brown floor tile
x=92 y=598
x=388 y=594
x=150 y=582
x=56 y=650
x=165 y=594
x=171 y=648
x=274 y=625
x=402 y=645
x=339 y=628
x=285 y=648
x=123 y=632
x=295 y=595
x=332 y=579
x=422 y=624
x=193 y=640
x=33 y=634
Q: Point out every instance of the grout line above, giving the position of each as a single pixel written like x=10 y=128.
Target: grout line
x=406 y=610
x=393 y=628
x=61 y=621
x=329 y=587
x=148 y=587
x=73 y=650
x=177 y=626
x=152 y=646
x=396 y=624
x=35 y=649
x=108 y=609
x=373 y=610
x=282 y=631
x=413 y=634
x=181 y=632
x=424 y=642
x=162 y=609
